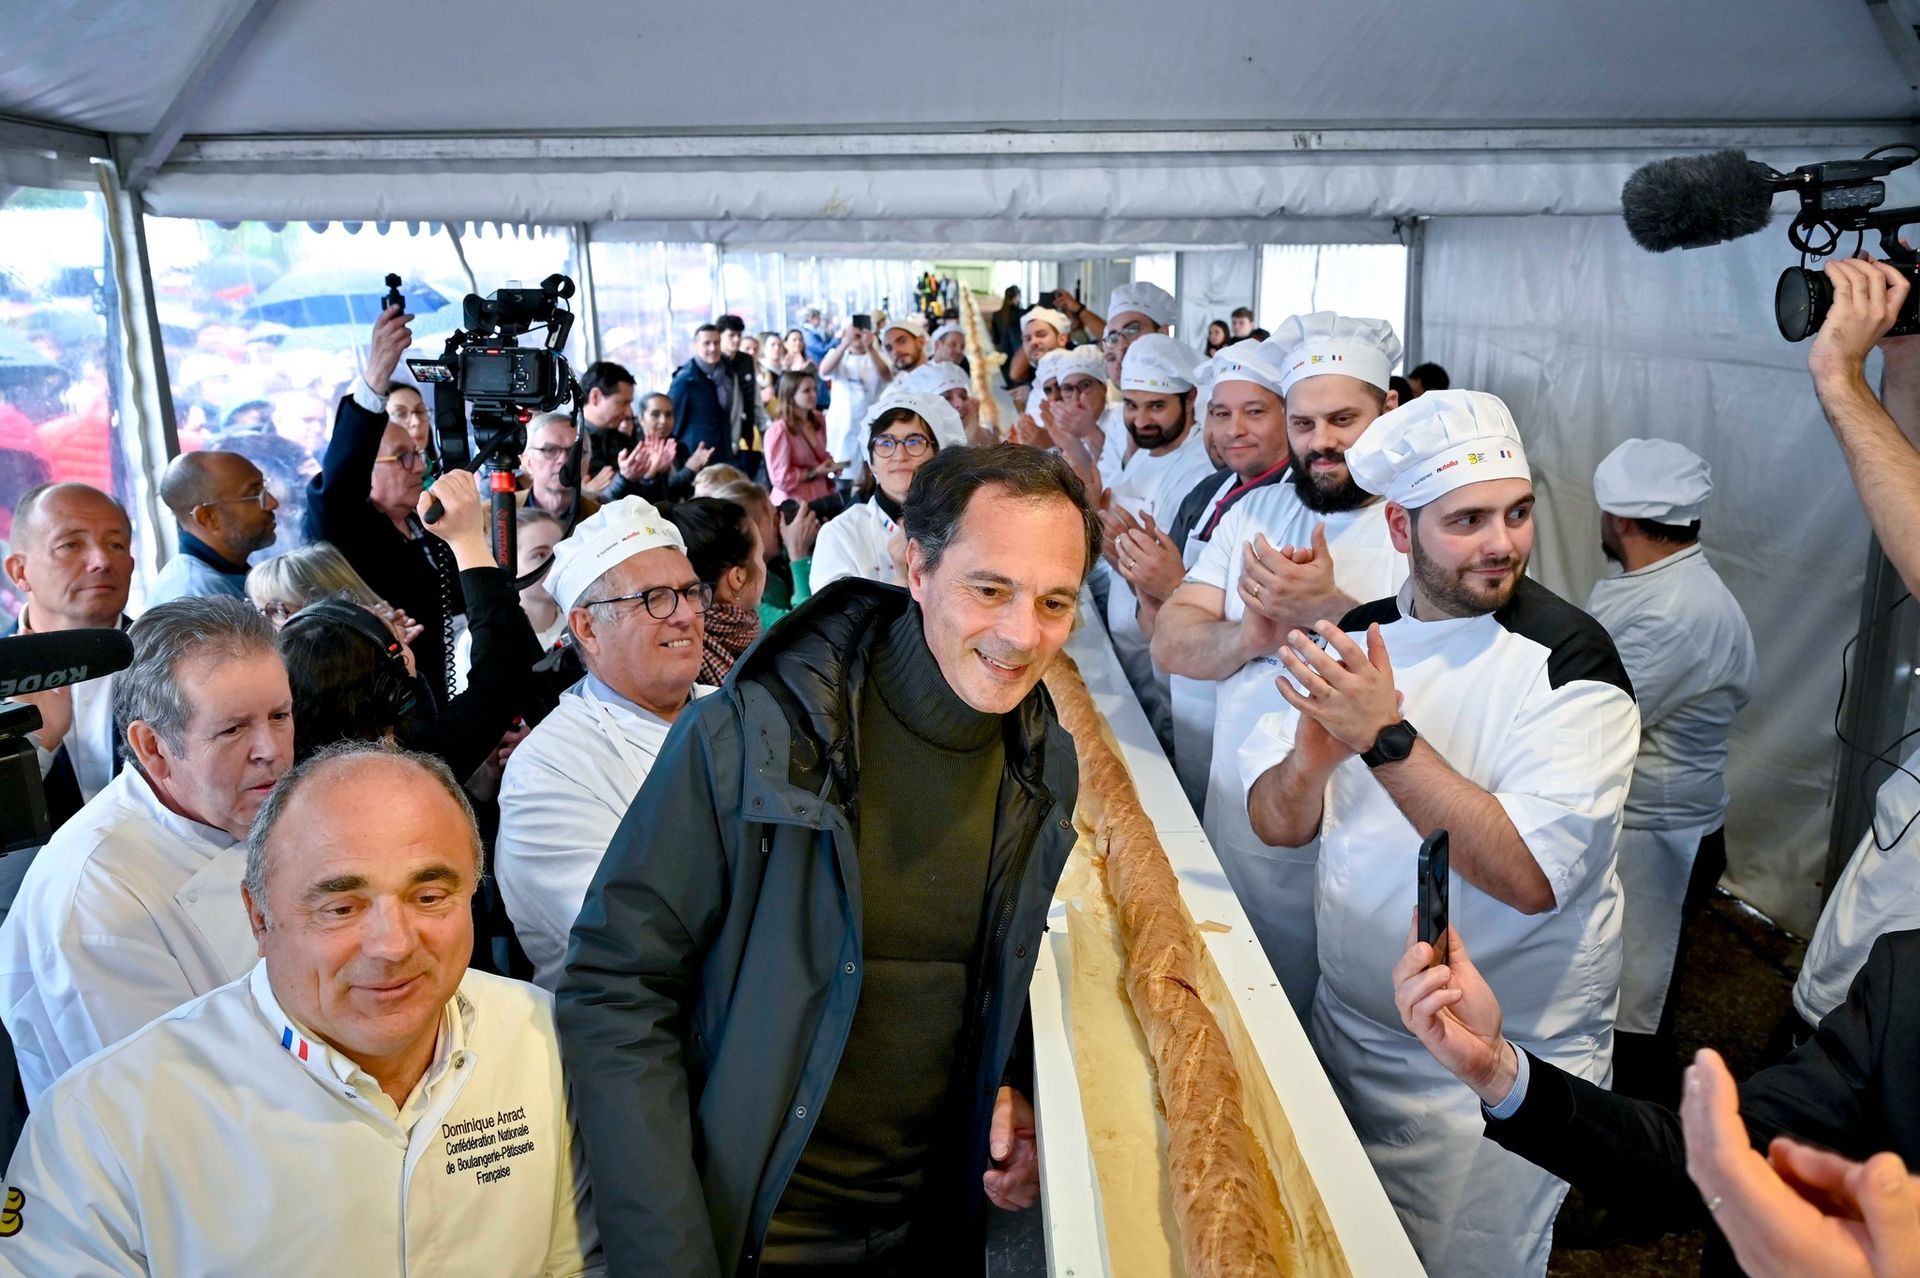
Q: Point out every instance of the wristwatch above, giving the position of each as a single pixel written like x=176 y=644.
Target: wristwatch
x=1394 y=743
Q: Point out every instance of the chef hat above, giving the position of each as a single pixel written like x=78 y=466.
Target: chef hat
x=1142 y=298
x=943 y=330
x=1324 y=342
x=1244 y=361
x=931 y=379
x=611 y=535
x=940 y=416
x=1080 y=360
x=911 y=322
x=1441 y=441
x=1046 y=315
x=1156 y=362
x=1653 y=479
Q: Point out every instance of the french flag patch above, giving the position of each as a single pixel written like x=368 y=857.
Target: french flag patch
x=293 y=1042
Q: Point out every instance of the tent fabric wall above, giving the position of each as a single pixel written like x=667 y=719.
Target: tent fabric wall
x=1591 y=341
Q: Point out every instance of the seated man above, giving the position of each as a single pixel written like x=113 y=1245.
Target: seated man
x=134 y=906
x=225 y=512
x=370 y=1105
x=637 y=613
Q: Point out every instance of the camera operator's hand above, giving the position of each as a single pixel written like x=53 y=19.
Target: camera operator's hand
x=463 y=519
x=391 y=337
x=1867 y=297
x=799 y=533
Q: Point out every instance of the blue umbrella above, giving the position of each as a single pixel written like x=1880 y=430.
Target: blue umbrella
x=306 y=298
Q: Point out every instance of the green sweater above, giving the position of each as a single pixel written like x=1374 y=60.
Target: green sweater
x=929 y=770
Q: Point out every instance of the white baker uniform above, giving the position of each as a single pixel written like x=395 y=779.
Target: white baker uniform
x=565 y=791
x=129 y=911
x=1530 y=703
x=1149 y=485
x=224 y=1139
x=1878 y=892
x=854 y=544
x=1276 y=885
x=1191 y=702
x=1688 y=650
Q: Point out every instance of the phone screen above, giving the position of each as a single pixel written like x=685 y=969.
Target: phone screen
x=1435 y=880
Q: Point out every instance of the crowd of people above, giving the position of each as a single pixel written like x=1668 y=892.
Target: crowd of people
x=666 y=902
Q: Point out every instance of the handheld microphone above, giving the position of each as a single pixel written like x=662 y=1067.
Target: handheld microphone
x=34 y=663
x=1692 y=201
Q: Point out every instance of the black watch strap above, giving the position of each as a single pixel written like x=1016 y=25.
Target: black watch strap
x=1394 y=743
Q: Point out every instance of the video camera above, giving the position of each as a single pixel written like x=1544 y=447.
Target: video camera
x=1695 y=201
x=497 y=387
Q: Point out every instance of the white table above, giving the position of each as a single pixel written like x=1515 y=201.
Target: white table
x=1370 y=1233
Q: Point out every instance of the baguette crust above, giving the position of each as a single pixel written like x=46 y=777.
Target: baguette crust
x=1232 y=1223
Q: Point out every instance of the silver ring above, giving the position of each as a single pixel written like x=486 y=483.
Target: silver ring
x=1253 y=588
x=1713 y=1203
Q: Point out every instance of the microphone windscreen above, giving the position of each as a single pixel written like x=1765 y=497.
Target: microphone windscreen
x=1692 y=201
x=29 y=663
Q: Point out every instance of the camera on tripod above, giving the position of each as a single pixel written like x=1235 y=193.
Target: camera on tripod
x=498 y=385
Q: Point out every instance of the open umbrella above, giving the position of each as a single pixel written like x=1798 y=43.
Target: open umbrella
x=306 y=298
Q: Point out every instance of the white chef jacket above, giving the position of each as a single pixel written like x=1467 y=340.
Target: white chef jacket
x=130 y=910
x=1149 y=485
x=1191 y=702
x=1878 y=892
x=1276 y=885
x=854 y=544
x=1687 y=647
x=856 y=381
x=1530 y=703
x=224 y=1139
x=565 y=791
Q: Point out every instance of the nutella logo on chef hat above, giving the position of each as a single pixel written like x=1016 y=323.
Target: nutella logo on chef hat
x=1141 y=298
x=1046 y=315
x=1441 y=441
x=1653 y=479
x=1324 y=342
x=1156 y=362
x=940 y=416
x=930 y=379
x=611 y=535
x=911 y=322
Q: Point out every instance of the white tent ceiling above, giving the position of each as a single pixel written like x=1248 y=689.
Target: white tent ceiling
x=1194 y=122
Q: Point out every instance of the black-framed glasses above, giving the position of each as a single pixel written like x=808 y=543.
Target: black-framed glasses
x=916 y=445
x=661 y=602
x=259 y=499
x=1082 y=388
x=1114 y=336
x=551 y=451
x=410 y=459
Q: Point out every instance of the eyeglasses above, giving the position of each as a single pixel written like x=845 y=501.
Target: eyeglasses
x=1083 y=387
x=277 y=613
x=1118 y=336
x=916 y=445
x=412 y=459
x=259 y=499
x=661 y=602
x=551 y=451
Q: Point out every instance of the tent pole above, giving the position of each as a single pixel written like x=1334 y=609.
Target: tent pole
x=583 y=277
x=1413 y=233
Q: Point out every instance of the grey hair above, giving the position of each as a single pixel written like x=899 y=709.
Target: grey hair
x=149 y=691
x=281 y=797
x=299 y=577
x=543 y=420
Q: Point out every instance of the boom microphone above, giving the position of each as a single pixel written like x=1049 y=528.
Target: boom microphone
x=34 y=663
x=1692 y=201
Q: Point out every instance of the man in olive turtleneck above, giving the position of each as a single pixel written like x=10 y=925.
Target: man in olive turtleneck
x=793 y=1012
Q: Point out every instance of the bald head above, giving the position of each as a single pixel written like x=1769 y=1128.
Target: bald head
x=71 y=556
x=193 y=479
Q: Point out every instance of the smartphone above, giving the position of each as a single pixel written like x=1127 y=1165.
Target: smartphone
x=863 y=321
x=1434 y=882
x=393 y=298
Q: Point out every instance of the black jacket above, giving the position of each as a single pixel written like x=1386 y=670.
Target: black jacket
x=414 y=575
x=1853 y=1088
x=697 y=416
x=715 y=966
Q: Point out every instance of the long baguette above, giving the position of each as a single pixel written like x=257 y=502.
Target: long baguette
x=1225 y=1199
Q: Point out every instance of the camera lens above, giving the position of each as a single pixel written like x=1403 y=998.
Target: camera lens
x=1800 y=302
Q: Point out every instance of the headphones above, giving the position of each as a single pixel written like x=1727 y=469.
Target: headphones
x=402 y=692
